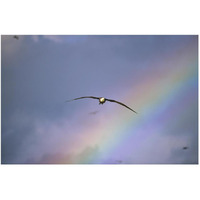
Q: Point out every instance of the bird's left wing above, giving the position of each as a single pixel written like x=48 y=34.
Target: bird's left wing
x=121 y=104
x=83 y=98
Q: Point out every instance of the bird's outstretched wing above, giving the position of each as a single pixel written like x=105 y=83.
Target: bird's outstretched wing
x=121 y=104
x=83 y=98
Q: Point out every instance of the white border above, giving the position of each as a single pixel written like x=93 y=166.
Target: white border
x=99 y=181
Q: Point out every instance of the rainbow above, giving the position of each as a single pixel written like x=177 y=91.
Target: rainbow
x=152 y=95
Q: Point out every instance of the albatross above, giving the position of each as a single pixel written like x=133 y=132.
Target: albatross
x=102 y=100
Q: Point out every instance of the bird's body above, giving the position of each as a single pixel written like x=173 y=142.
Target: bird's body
x=102 y=100
x=184 y=148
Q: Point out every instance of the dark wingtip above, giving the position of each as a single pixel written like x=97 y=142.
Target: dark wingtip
x=133 y=111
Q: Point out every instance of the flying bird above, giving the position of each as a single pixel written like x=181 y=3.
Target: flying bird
x=16 y=37
x=184 y=148
x=102 y=100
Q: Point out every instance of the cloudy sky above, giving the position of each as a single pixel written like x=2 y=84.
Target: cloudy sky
x=155 y=75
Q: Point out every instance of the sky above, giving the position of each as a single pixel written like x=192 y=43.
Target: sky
x=155 y=75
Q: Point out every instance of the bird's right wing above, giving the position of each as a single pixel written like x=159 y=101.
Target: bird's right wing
x=83 y=98
x=121 y=104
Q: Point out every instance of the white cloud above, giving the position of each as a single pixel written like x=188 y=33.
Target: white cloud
x=54 y=38
x=70 y=39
